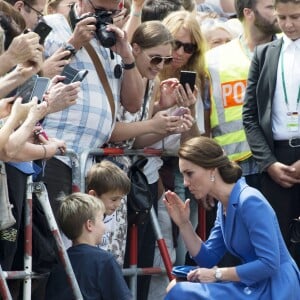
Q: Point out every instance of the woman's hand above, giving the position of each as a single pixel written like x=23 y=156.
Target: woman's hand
x=202 y=275
x=164 y=124
x=168 y=93
x=187 y=122
x=186 y=98
x=54 y=146
x=19 y=110
x=177 y=209
x=5 y=106
x=173 y=93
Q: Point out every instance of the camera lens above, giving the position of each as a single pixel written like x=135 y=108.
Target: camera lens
x=106 y=38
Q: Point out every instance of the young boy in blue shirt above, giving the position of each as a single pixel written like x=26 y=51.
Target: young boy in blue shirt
x=99 y=276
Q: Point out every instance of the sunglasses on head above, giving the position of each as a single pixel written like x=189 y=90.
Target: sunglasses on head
x=187 y=47
x=157 y=59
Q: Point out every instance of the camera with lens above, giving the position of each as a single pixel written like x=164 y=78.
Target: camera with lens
x=103 y=18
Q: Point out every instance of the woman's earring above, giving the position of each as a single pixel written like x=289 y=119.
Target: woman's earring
x=212 y=178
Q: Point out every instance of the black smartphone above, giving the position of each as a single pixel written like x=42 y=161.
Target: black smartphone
x=80 y=75
x=42 y=29
x=25 y=90
x=69 y=73
x=188 y=77
x=72 y=74
x=40 y=88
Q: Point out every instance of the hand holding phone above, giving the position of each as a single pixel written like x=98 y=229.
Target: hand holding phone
x=188 y=77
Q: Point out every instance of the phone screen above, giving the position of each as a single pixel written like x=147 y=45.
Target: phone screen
x=80 y=75
x=188 y=77
x=26 y=89
x=70 y=73
x=40 y=88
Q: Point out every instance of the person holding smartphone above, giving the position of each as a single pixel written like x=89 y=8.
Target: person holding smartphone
x=188 y=56
x=152 y=48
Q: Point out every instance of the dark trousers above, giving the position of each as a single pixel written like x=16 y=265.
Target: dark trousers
x=285 y=201
x=11 y=239
x=58 y=181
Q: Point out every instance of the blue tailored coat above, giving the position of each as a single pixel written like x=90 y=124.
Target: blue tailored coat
x=251 y=232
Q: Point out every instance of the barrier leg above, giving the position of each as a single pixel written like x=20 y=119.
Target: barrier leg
x=28 y=241
x=161 y=244
x=42 y=196
x=4 y=291
x=133 y=258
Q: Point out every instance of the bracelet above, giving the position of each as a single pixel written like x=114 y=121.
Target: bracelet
x=45 y=151
x=127 y=66
x=136 y=14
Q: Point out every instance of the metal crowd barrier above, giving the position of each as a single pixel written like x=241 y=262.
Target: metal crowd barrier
x=78 y=165
x=133 y=271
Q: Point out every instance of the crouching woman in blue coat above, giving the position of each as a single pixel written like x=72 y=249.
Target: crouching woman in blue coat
x=245 y=225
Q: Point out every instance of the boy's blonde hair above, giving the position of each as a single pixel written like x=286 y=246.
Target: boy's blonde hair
x=105 y=177
x=75 y=210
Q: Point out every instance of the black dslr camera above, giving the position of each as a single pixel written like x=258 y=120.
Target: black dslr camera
x=103 y=18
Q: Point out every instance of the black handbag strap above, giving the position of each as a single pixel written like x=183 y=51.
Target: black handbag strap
x=145 y=100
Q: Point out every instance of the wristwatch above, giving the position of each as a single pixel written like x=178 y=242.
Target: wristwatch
x=218 y=275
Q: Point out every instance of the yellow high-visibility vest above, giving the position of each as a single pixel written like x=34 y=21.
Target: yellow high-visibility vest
x=228 y=67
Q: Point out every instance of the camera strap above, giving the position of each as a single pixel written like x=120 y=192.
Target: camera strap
x=102 y=77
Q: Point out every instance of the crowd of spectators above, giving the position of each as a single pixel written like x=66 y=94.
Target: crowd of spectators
x=142 y=47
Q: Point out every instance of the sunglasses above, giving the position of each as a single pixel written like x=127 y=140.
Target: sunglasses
x=157 y=59
x=187 y=47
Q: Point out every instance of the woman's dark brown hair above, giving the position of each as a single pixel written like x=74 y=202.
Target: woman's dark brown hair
x=208 y=154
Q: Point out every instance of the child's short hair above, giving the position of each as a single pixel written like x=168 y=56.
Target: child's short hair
x=75 y=210
x=105 y=177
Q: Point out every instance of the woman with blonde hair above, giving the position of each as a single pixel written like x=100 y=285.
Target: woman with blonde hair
x=189 y=47
x=188 y=54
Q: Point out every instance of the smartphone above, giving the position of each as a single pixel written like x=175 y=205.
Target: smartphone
x=42 y=29
x=180 y=111
x=80 y=75
x=72 y=74
x=40 y=88
x=26 y=89
x=188 y=77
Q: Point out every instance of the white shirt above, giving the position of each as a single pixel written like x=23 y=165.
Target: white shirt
x=291 y=64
